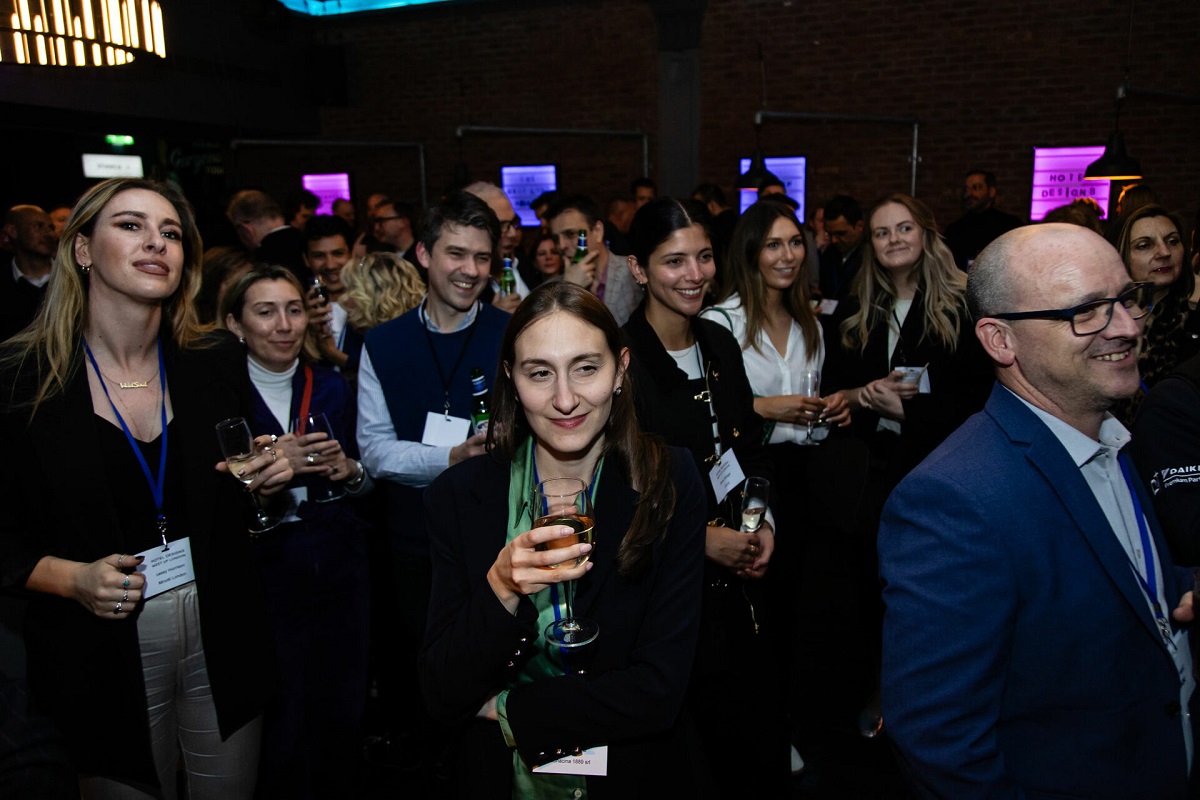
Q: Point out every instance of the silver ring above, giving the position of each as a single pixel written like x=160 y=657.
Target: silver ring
x=311 y=459
x=271 y=450
x=120 y=558
x=125 y=596
x=117 y=610
x=274 y=438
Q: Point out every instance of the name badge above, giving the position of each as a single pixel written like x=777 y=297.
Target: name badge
x=443 y=431
x=164 y=568
x=827 y=306
x=593 y=761
x=726 y=475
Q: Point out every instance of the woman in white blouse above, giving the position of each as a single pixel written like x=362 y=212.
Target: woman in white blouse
x=765 y=304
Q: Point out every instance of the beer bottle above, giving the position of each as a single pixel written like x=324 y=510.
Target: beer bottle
x=480 y=415
x=508 y=281
x=581 y=250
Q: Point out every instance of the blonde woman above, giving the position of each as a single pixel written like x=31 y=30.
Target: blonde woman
x=378 y=287
x=112 y=394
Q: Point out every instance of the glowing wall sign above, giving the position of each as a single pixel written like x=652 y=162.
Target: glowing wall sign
x=103 y=165
x=328 y=187
x=322 y=8
x=524 y=184
x=789 y=169
x=1058 y=179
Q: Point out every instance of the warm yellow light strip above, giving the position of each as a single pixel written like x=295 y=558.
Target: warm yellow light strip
x=66 y=33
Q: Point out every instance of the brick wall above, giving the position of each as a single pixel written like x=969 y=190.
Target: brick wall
x=988 y=82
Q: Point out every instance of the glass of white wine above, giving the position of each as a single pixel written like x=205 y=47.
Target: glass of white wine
x=810 y=386
x=565 y=501
x=237 y=445
x=755 y=492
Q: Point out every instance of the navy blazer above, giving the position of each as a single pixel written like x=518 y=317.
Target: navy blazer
x=633 y=691
x=1020 y=656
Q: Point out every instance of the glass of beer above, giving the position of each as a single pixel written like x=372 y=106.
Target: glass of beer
x=566 y=502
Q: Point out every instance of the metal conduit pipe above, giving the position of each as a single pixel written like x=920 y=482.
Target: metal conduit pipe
x=645 y=137
x=805 y=116
x=418 y=146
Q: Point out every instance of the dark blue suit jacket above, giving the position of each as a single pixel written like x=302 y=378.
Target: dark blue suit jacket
x=1020 y=656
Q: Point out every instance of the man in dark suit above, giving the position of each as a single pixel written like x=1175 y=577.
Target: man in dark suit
x=839 y=264
x=1032 y=645
x=260 y=226
x=30 y=235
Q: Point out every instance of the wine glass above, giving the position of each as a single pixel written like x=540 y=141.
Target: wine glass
x=321 y=490
x=565 y=501
x=237 y=445
x=755 y=492
x=810 y=386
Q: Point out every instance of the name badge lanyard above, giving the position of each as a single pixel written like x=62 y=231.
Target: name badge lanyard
x=898 y=355
x=1150 y=581
x=706 y=398
x=446 y=381
x=158 y=485
x=305 y=400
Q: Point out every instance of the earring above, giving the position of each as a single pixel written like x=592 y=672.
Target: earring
x=85 y=268
x=617 y=391
x=242 y=340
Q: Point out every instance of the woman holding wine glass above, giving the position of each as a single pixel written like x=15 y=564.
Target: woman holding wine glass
x=766 y=306
x=314 y=564
x=693 y=390
x=144 y=631
x=906 y=357
x=562 y=409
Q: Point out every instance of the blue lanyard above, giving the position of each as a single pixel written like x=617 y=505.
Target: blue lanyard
x=1150 y=582
x=156 y=486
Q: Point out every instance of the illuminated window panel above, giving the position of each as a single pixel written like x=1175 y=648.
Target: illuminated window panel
x=1058 y=179
x=324 y=8
x=328 y=187
x=789 y=169
x=524 y=184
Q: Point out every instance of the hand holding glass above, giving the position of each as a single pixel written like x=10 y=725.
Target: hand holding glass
x=321 y=490
x=565 y=501
x=237 y=445
x=810 y=386
x=755 y=492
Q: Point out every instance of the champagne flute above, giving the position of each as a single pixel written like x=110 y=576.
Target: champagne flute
x=565 y=501
x=755 y=492
x=321 y=490
x=810 y=386
x=237 y=445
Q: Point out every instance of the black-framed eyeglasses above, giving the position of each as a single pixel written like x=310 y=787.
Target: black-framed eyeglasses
x=507 y=225
x=1092 y=317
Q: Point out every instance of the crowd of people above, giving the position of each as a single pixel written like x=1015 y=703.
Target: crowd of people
x=958 y=551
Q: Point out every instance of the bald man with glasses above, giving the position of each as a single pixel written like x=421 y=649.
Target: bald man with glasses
x=1033 y=640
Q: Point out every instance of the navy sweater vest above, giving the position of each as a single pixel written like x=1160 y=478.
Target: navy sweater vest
x=408 y=376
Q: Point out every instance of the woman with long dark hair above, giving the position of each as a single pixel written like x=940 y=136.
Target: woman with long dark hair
x=116 y=379
x=562 y=407
x=692 y=389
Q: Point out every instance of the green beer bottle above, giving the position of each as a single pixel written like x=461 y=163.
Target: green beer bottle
x=508 y=281
x=480 y=414
x=581 y=250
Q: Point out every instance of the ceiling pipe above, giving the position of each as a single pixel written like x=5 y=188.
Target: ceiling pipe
x=645 y=137
x=805 y=116
x=420 y=148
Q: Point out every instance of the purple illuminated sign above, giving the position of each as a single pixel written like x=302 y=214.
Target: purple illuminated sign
x=524 y=184
x=1058 y=179
x=328 y=187
x=790 y=170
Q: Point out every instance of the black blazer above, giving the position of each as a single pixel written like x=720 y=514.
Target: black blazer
x=633 y=691
x=85 y=672
x=666 y=404
x=959 y=381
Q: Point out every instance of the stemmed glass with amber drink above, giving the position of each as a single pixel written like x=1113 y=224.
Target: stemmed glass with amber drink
x=566 y=502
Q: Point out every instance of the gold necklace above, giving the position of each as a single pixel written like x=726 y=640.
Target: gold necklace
x=129 y=384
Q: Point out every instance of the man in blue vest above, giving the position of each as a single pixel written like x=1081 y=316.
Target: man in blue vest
x=414 y=404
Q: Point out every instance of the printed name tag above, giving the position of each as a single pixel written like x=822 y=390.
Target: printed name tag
x=827 y=306
x=166 y=568
x=443 y=431
x=726 y=475
x=593 y=761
